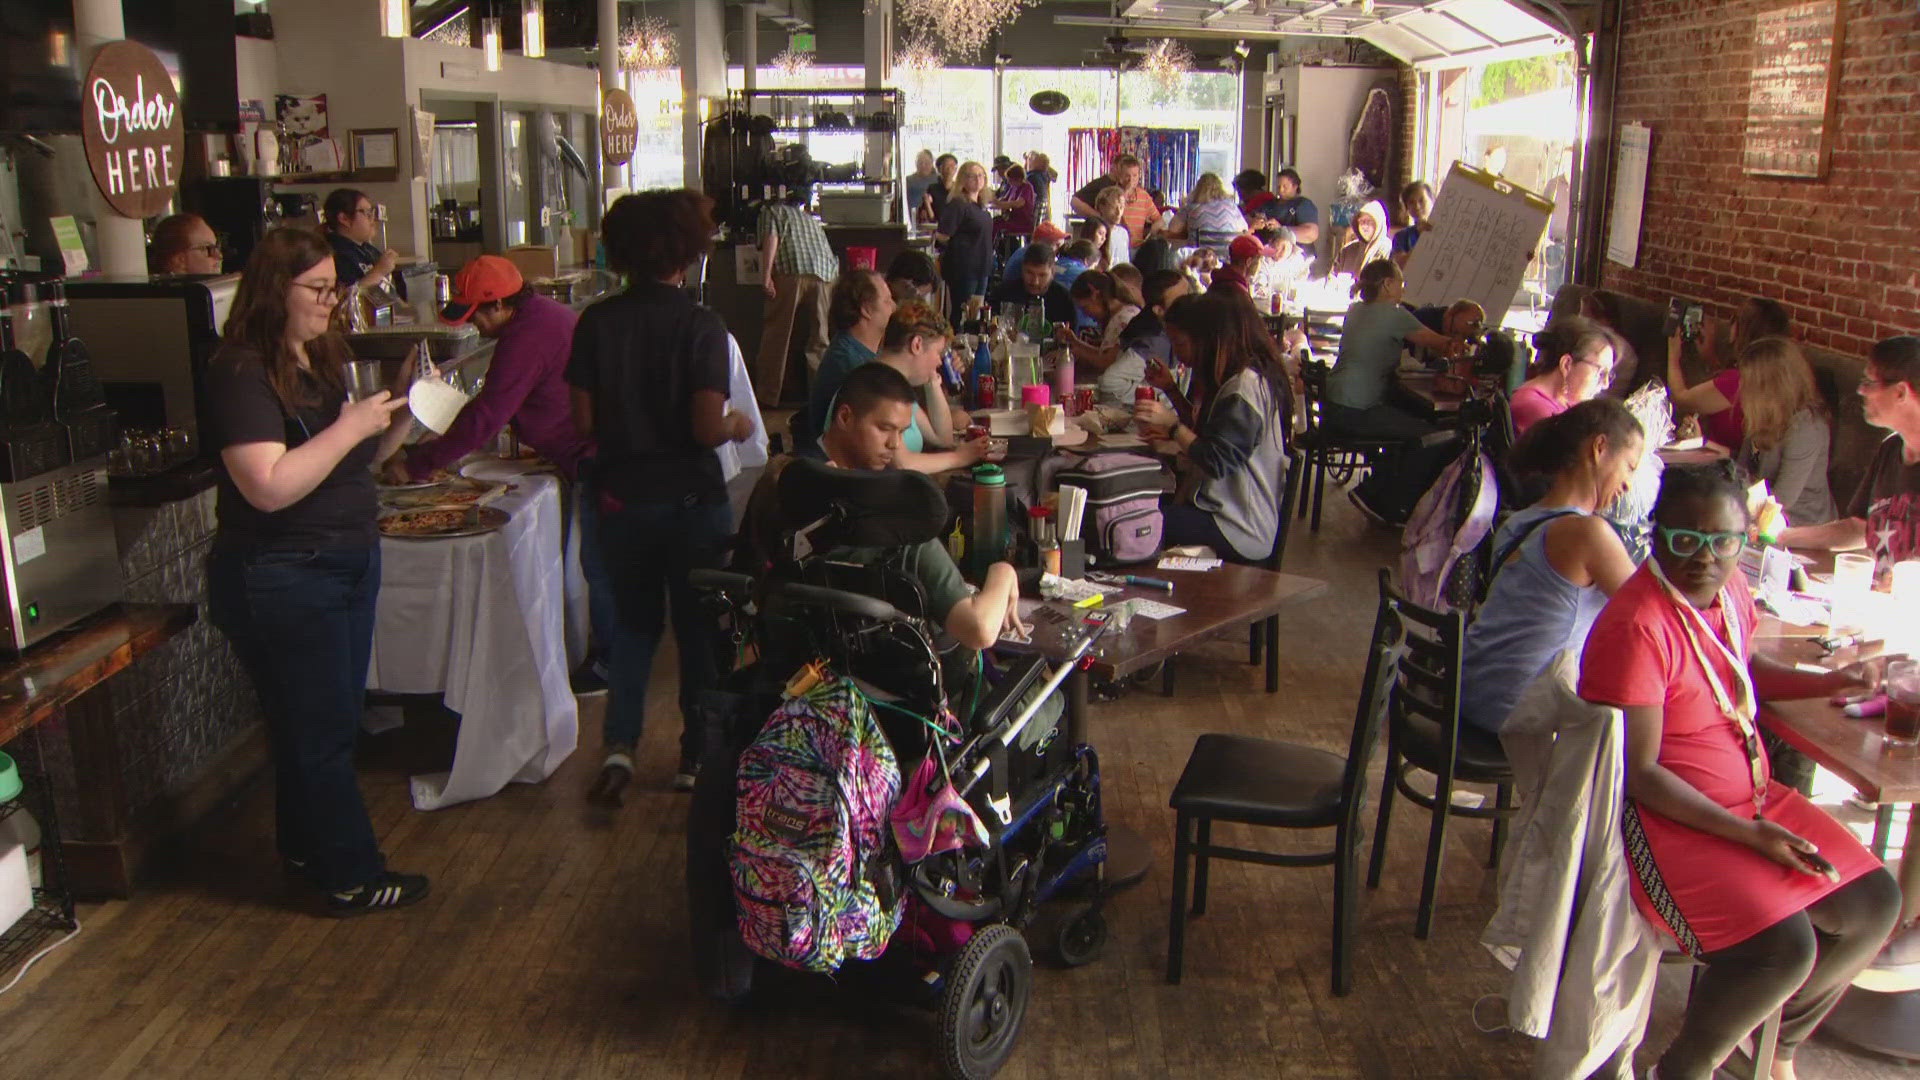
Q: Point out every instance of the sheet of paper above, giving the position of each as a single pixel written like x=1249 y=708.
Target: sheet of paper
x=1629 y=193
x=1154 y=609
x=1077 y=589
x=1187 y=562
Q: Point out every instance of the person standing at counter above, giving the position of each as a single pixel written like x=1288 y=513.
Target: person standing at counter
x=796 y=264
x=183 y=244
x=295 y=564
x=649 y=371
x=352 y=221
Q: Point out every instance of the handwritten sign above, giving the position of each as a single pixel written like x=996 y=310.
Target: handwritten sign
x=1484 y=231
x=132 y=128
x=1790 y=106
x=619 y=127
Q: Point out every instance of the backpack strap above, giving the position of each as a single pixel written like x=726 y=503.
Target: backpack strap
x=1501 y=555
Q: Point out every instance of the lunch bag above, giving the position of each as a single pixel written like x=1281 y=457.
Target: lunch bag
x=1123 y=523
x=814 y=881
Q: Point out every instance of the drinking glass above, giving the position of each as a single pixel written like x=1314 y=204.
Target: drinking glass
x=1903 y=703
x=1852 y=580
x=363 y=380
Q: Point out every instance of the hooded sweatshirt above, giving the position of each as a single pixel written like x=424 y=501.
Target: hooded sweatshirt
x=1358 y=252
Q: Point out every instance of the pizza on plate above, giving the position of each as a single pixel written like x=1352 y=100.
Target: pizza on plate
x=424 y=522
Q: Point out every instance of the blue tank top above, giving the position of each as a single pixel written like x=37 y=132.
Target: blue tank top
x=1531 y=614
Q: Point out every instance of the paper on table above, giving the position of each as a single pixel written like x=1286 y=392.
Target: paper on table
x=1071 y=588
x=1187 y=562
x=1154 y=609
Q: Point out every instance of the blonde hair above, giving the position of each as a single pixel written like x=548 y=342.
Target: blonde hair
x=960 y=183
x=1776 y=385
x=1111 y=203
x=1207 y=189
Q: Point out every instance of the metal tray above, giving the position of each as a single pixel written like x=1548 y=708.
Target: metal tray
x=489 y=520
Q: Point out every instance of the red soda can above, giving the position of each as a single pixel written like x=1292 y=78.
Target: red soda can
x=1082 y=399
x=984 y=392
x=977 y=431
x=1145 y=393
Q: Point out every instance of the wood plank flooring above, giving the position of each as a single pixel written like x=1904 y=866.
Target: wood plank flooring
x=553 y=943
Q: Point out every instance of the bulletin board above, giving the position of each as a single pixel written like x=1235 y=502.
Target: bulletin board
x=1485 y=229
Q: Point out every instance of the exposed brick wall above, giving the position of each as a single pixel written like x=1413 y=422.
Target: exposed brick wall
x=1842 y=253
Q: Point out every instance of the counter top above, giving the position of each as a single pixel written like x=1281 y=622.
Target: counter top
x=183 y=481
x=42 y=680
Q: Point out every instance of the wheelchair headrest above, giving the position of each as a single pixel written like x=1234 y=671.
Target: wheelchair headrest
x=890 y=508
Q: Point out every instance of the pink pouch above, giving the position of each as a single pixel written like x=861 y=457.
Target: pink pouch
x=924 y=824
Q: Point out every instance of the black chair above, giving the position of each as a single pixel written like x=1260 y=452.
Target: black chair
x=1424 y=732
x=1326 y=451
x=1285 y=786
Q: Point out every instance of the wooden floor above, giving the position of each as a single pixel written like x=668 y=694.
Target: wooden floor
x=552 y=945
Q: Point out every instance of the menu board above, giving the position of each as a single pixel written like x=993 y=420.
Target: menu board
x=1790 y=108
x=1485 y=229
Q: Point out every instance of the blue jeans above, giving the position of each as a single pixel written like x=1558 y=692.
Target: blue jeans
x=1396 y=482
x=649 y=549
x=602 y=623
x=302 y=625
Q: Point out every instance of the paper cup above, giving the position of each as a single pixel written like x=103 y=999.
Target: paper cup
x=435 y=404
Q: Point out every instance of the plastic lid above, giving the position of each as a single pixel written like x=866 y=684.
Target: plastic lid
x=1038 y=512
x=9 y=780
x=988 y=474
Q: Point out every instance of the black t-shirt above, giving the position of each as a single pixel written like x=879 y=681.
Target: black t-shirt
x=352 y=261
x=1888 y=500
x=969 y=250
x=238 y=406
x=937 y=192
x=641 y=355
x=1056 y=302
x=1090 y=194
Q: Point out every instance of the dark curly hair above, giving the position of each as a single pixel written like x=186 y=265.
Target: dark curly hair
x=653 y=235
x=1681 y=484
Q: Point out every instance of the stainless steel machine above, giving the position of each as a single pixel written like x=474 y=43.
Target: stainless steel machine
x=150 y=340
x=59 y=560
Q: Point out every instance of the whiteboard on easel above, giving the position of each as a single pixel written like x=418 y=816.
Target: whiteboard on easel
x=1485 y=230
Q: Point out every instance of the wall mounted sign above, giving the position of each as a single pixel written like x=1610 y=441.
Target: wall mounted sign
x=132 y=128
x=619 y=127
x=1790 y=108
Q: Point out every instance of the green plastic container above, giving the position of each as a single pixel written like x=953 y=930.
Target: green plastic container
x=9 y=779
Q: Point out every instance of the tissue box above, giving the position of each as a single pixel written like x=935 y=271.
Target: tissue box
x=16 y=895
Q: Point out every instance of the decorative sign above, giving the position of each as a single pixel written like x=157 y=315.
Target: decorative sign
x=1790 y=108
x=132 y=128
x=1484 y=231
x=619 y=127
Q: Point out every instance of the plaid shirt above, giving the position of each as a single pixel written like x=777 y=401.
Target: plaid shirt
x=803 y=242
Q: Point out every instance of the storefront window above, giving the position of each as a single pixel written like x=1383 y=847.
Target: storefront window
x=1208 y=101
x=1092 y=102
x=659 y=151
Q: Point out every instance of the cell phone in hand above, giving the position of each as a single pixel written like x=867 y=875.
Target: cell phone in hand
x=1690 y=325
x=1676 y=317
x=1818 y=864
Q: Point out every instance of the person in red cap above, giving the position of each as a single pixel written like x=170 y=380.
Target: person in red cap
x=1047 y=233
x=1243 y=262
x=525 y=386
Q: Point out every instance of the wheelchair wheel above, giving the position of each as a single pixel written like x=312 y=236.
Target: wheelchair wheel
x=986 y=1000
x=1082 y=936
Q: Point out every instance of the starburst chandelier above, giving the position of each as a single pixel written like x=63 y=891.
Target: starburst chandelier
x=919 y=59
x=647 y=46
x=791 y=63
x=1167 y=63
x=961 y=27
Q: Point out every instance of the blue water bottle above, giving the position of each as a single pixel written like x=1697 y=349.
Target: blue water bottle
x=983 y=368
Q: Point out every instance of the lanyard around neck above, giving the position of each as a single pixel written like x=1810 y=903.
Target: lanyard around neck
x=1743 y=710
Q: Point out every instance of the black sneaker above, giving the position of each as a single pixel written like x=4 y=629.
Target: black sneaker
x=587 y=680
x=1367 y=511
x=689 y=772
x=389 y=890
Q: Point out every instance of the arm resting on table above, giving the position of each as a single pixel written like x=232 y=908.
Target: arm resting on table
x=1844 y=534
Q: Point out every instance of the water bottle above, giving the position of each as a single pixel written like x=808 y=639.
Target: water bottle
x=989 y=517
x=983 y=369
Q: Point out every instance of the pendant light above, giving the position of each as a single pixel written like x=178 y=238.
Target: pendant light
x=394 y=19
x=490 y=41
x=533 y=28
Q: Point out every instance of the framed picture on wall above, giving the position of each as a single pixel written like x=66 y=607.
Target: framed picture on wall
x=375 y=150
x=1795 y=86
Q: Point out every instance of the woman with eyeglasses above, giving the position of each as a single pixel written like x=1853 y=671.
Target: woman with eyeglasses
x=1573 y=362
x=183 y=244
x=1779 y=901
x=351 y=221
x=295 y=565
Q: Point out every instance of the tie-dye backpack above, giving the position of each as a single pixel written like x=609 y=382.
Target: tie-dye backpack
x=814 y=882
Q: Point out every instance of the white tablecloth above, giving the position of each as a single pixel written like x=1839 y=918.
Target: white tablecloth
x=481 y=620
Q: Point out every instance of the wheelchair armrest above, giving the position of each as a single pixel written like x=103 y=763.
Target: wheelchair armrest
x=865 y=607
x=1014 y=684
x=720 y=581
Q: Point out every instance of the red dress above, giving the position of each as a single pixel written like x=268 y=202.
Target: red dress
x=1707 y=892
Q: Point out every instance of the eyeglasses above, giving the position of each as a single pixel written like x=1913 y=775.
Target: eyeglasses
x=367 y=211
x=324 y=294
x=1685 y=543
x=210 y=250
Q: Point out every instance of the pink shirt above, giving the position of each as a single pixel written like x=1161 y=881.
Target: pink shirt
x=1530 y=405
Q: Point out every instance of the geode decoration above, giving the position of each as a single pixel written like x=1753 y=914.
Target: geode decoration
x=1370 y=149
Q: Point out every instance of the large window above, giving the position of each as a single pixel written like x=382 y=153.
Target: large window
x=949 y=111
x=1092 y=102
x=659 y=153
x=1206 y=100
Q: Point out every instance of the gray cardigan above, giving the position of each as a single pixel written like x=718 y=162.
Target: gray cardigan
x=1796 y=469
x=1241 y=453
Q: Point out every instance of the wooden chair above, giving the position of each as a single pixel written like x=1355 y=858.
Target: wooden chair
x=1424 y=732
x=1286 y=786
x=1327 y=452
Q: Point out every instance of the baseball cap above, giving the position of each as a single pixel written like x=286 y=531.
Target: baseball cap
x=1048 y=233
x=482 y=281
x=1244 y=247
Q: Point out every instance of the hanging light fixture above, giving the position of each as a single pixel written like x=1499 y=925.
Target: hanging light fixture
x=394 y=19
x=533 y=28
x=791 y=63
x=647 y=45
x=1168 y=63
x=490 y=41
x=919 y=58
x=961 y=27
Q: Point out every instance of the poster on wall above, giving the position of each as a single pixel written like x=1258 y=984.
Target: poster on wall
x=1629 y=193
x=132 y=128
x=310 y=146
x=1790 y=105
x=1485 y=230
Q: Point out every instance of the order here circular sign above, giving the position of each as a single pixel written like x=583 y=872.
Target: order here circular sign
x=132 y=128
x=619 y=127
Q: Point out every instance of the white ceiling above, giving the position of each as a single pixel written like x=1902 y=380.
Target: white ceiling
x=1424 y=33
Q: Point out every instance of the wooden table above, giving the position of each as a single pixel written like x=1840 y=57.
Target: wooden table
x=1226 y=596
x=1421 y=390
x=1855 y=751
x=49 y=680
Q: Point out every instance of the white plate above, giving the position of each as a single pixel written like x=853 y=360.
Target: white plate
x=435 y=404
x=495 y=470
